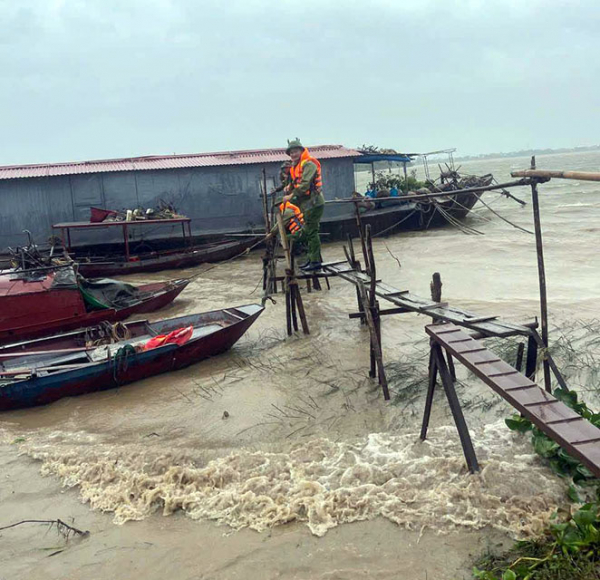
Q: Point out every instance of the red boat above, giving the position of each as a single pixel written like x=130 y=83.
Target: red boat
x=36 y=303
x=41 y=371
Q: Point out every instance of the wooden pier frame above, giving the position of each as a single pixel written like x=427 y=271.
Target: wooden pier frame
x=577 y=436
x=294 y=307
x=438 y=365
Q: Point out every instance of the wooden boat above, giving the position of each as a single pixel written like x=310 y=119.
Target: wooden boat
x=39 y=302
x=44 y=370
x=128 y=257
x=163 y=260
x=394 y=216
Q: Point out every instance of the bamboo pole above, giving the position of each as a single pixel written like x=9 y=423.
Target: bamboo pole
x=535 y=202
x=546 y=174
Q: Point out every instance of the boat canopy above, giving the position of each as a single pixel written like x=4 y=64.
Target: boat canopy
x=375 y=157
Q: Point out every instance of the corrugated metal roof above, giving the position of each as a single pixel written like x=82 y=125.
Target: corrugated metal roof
x=169 y=162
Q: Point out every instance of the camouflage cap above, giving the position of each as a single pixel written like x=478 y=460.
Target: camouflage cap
x=294 y=144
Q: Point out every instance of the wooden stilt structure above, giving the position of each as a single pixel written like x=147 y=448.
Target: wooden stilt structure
x=576 y=435
x=438 y=365
x=368 y=305
x=294 y=306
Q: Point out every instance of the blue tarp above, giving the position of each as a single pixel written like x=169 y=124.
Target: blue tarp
x=382 y=157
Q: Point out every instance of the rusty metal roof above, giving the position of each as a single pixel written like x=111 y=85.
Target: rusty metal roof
x=169 y=162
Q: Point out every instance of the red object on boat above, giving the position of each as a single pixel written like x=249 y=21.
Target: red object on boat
x=35 y=307
x=179 y=337
x=98 y=215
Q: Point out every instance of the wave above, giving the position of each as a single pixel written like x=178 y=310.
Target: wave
x=323 y=483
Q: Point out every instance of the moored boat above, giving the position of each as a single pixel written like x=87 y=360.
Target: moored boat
x=393 y=216
x=42 y=371
x=144 y=255
x=96 y=266
x=39 y=302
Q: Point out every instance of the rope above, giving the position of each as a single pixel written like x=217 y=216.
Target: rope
x=468 y=230
x=121 y=360
x=396 y=224
x=496 y=214
x=242 y=253
x=117 y=332
x=506 y=220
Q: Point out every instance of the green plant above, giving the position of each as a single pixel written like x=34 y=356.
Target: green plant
x=389 y=180
x=569 y=550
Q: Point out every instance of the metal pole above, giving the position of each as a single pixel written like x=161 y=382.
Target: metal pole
x=542 y=277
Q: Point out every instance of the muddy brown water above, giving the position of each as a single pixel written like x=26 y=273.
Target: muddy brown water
x=280 y=459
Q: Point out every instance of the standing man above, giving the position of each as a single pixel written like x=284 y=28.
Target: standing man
x=304 y=191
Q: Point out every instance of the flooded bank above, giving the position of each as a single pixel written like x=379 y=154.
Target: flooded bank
x=292 y=431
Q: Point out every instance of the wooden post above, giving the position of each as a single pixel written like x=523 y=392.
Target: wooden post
x=362 y=236
x=126 y=237
x=436 y=295
x=288 y=311
x=372 y=271
x=301 y=311
x=269 y=259
x=531 y=360
x=436 y=287
x=542 y=277
x=430 y=392
x=375 y=342
x=519 y=361
x=459 y=419
x=292 y=291
x=354 y=264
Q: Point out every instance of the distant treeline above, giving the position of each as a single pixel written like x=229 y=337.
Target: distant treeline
x=528 y=152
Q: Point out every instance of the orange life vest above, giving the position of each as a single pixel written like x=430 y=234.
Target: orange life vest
x=178 y=337
x=296 y=223
x=296 y=172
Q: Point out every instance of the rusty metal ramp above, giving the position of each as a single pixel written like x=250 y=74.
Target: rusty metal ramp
x=572 y=432
x=486 y=325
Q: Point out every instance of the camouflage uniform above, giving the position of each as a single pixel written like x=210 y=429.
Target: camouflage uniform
x=309 y=198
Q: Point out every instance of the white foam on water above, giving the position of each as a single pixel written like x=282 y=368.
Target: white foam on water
x=323 y=483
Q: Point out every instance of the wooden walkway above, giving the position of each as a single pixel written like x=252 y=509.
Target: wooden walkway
x=573 y=433
x=487 y=326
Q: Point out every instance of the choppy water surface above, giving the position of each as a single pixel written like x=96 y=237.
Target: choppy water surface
x=308 y=437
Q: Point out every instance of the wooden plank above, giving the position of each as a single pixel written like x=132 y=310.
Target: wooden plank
x=486 y=325
x=580 y=438
x=482 y=318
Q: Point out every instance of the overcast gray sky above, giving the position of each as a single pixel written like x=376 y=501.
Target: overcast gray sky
x=83 y=79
